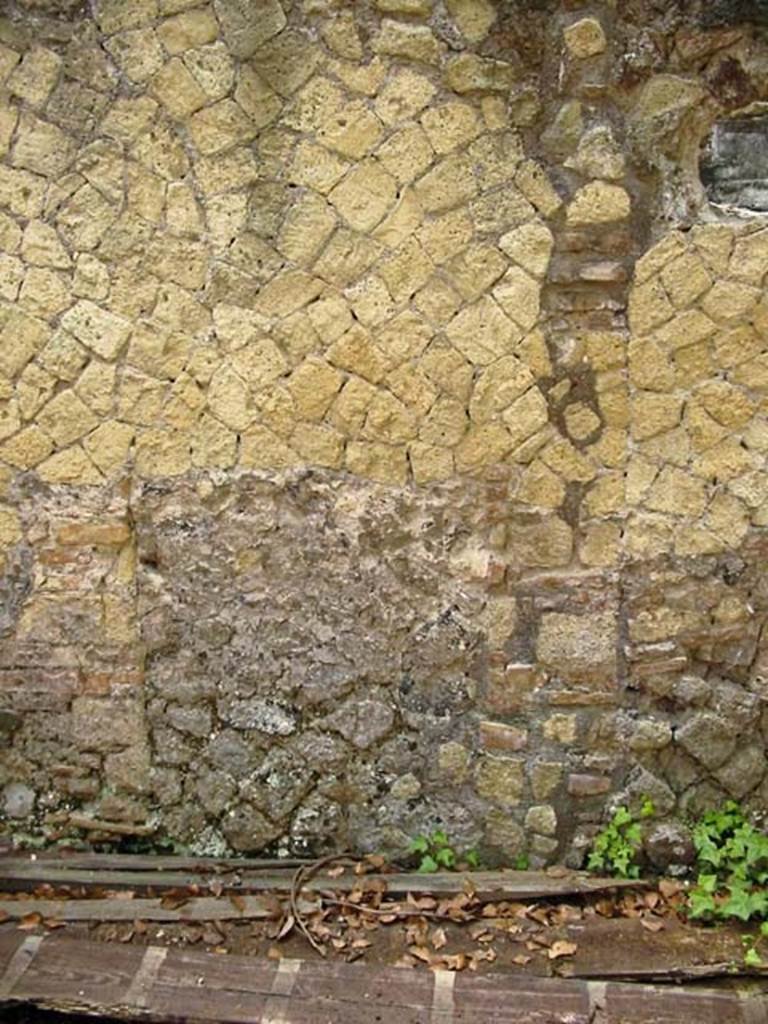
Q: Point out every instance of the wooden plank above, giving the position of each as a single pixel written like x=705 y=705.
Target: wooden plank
x=198 y=908
x=127 y=982
x=622 y=948
x=145 y=862
x=487 y=885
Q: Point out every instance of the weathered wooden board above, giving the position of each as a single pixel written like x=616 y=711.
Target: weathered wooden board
x=488 y=885
x=147 y=862
x=164 y=985
x=624 y=948
x=198 y=908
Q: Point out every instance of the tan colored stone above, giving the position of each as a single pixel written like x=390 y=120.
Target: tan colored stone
x=406 y=153
x=349 y=409
x=727 y=404
x=364 y=196
x=736 y=346
x=347 y=257
x=41 y=147
x=315 y=167
x=530 y=245
x=341 y=36
x=483 y=445
x=581 y=421
x=384 y=463
x=245 y=28
x=406 y=269
x=585 y=38
x=402 y=222
x=404 y=95
x=473 y=17
x=71 y=466
x=262 y=449
x=654 y=414
x=261 y=103
x=677 y=494
x=445 y=424
x=470 y=73
x=649 y=366
x=535 y=354
x=598 y=203
x=482 y=332
x=437 y=300
x=724 y=462
x=10 y=527
x=685 y=329
x=213 y=69
x=362 y=78
x=450 y=126
x=526 y=418
x=287 y=61
x=444 y=236
x=356 y=353
x=137 y=53
x=181 y=96
x=219 y=127
x=97 y=329
x=34 y=78
x=314 y=385
x=533 y=182
x=353 y=130
x=685 y=279
x=601 y=545
x=729 y=300
x=21 y=193
x=597 y=155
x=500 y=780
x=318 y=445
x=407 y=42
x=580 y=648
x=286 y=293
x=370 y=300
x=161 y=453
x=109 y=444
x=518 y=294
x=26 y=449
x=307 y=227
x=540 y=486
x=188 y=30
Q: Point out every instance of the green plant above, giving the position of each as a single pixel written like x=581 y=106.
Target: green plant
x=435 y=852
x=521 y=862
x=616 y=847
x=732 y=860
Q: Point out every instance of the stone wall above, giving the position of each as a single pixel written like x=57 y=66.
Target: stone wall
x=382 y=421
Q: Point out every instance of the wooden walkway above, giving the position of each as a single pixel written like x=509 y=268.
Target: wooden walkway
x=159 y=984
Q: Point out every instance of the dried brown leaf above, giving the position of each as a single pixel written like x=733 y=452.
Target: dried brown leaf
x=29 y=922
x=562 y=948
x=421 y=953
x=521 y=959
x=438 y=938
x=652 y=924
x=457 y=962
x=286 y=928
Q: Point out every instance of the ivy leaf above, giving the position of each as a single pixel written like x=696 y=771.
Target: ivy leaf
x=445 y=857
x=428 y=865
x=700 y=904
x=419 y=845
x=752 y=958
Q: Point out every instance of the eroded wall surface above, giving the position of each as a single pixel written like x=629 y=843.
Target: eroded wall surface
x=382 y=423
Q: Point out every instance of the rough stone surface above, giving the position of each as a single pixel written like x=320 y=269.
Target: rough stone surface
x=382 y=433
